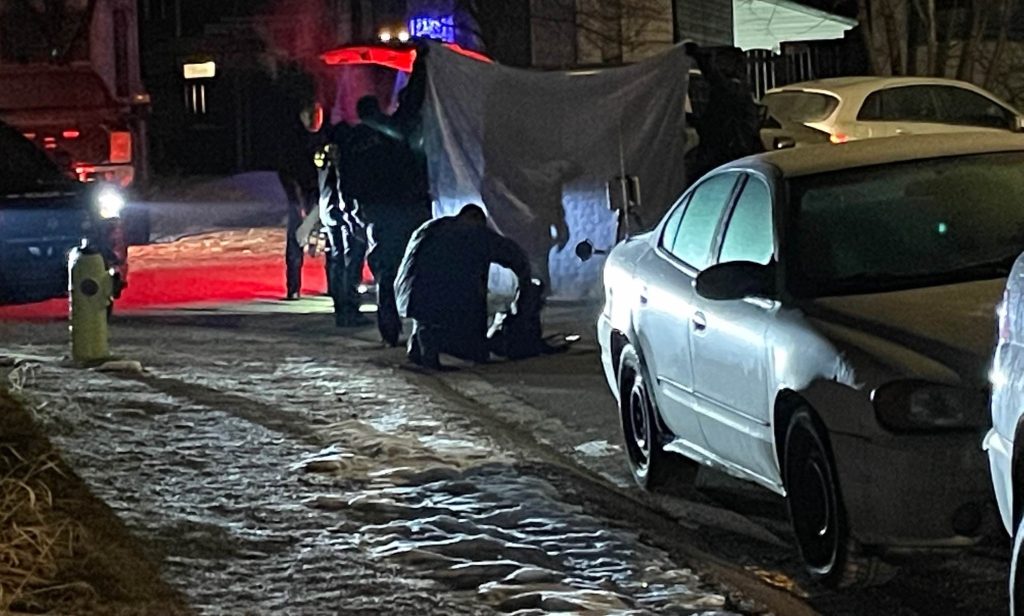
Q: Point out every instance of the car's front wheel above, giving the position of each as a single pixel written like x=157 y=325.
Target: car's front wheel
x=648 y=462
x=1017 y=572
x=817 y=513
x=815 y=508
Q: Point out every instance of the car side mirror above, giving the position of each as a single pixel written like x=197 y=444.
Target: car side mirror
x=736 y=280
x=1018 y=124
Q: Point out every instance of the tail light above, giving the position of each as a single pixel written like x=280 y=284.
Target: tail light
x=71 y=134
x=120 y=147
x=838 y=138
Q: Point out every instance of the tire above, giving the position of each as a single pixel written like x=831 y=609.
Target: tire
x=1017 y=572
x=815 y=507
x=817 y=513
x=648 y=462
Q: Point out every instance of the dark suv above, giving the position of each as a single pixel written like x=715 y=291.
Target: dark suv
x=44 y=213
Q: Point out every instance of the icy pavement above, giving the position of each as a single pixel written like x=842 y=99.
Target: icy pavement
x=268 y=481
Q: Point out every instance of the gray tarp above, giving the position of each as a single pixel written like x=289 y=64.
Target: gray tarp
x=537 y=149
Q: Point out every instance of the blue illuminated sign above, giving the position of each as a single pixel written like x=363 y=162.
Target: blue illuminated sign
x=438 y=28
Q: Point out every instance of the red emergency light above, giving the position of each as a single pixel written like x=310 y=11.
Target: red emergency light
x=398 y=58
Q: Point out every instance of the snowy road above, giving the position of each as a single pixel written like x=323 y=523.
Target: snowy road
x=276 y=465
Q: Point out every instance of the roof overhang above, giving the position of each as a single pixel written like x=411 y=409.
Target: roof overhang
x=767 y=24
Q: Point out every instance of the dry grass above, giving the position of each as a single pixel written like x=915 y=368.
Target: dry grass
x=35 y=539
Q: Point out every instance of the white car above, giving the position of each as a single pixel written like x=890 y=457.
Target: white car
x=1005 y=442
x=850 y=108
x=820 y=321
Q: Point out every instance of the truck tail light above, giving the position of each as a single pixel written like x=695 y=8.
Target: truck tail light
x=120 y=147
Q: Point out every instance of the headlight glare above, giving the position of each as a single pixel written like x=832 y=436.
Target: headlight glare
x=914 y=406
x=109 y=202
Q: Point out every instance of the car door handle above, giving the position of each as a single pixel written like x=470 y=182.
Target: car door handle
x=699 y=322
x=643 y=295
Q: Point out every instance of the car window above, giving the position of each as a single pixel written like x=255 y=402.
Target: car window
x=904 y=225
x=749 y=236
x=692 y=244
x=668 y=234
x=799 y=107
x=960 y=106
x=903 y=104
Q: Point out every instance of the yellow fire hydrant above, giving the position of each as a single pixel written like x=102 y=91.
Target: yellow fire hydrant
x=91 y=288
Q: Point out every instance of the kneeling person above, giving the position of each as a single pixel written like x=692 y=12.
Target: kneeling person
x=442 y=284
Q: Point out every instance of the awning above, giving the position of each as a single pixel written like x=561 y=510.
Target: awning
x=767 y=24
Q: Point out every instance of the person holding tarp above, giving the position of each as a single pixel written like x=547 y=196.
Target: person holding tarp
x=729 y=125
x=442 y=285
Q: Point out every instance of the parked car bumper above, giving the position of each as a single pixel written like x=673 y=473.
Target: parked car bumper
x=914 y=491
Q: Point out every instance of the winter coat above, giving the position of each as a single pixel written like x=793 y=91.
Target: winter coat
x=443 y=277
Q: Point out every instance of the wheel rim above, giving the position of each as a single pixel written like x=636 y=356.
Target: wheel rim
x=813 y=501
x=639 y=418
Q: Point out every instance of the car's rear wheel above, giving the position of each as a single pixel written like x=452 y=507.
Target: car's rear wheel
x=648 y=462
x=1017 y=572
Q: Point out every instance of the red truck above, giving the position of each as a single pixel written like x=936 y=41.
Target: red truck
x=69 y=113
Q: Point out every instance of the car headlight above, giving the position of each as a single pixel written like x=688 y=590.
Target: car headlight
x=109 y=202
x=915 y=406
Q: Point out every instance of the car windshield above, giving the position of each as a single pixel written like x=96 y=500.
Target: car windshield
x=23 y=167
x=906 y=225
x=799 y=107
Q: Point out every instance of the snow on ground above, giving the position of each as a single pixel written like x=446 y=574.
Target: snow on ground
x=188 y=207
x=271 y=481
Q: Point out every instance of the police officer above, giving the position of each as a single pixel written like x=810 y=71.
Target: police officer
x=400 y=200
x=390 y=184
x=346 y=232
x=299 y=141
x=442 y=285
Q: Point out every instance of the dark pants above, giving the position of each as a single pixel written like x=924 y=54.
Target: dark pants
x=293 y=250
x=428 y=340
x=388 y=240
x=347 y=254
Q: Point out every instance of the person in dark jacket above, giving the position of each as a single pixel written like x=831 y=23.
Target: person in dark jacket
x=729 y=124
x=298 y=175
x=396 y=197
x=442 y=285
x=389 y=181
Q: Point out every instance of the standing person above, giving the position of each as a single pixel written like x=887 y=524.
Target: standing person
x=442 y=285
x=346 y=233
x=389 y=181
x=299 y=137
x=399 y=199
x=729 y=126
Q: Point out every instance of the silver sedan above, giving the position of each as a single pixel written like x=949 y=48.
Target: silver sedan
x=820 y=321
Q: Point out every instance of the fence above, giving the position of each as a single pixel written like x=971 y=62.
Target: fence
x=802 y=62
